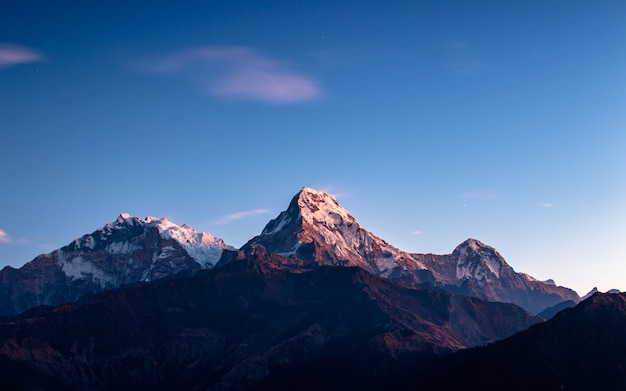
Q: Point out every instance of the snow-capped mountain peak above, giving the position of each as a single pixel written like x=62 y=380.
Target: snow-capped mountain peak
x=317 y=207
x=125 y=251
x=203 y=247
x=479 y=262
x=317 y=229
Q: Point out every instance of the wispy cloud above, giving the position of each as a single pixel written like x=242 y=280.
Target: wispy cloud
x=235 y=72
x=547 y=205
x=11 y=55
x=239 y=215
x=4 y=237
x=417 y=232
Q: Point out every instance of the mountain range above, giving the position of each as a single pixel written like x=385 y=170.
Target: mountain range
x=314 y=228
x=250 y=318
x=315 y=300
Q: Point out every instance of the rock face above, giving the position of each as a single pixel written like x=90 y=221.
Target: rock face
x=478 y=270
x=581 y=348
x=316 y=229
x=249 y=321
x=126 y=251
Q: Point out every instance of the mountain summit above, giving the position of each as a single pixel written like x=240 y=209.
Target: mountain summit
x=316 y=229
x=125 y=251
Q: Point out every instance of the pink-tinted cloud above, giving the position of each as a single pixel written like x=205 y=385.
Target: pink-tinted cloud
x=239 y=73
x=4 y=237
x=11 y=55
x=268 y=86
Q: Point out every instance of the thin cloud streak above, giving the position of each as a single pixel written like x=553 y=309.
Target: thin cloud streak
x=235 y=72
x=11 y=55
x=239 y=215
x=4 y=237
x=547 y=205
x=417 y=232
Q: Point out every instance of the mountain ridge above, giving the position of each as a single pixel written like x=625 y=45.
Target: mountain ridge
x=314 y=228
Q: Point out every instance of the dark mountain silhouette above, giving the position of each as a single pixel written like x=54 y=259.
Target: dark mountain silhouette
x=549 y=313
x=581 y=348
x=252 y=320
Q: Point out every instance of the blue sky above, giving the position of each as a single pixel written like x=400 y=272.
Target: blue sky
x=431 y=121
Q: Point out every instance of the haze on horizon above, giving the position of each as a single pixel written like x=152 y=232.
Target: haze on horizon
x=431 y=123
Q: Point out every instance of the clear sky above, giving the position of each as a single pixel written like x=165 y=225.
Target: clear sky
x=431 y=121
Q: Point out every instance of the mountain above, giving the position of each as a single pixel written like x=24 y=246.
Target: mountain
x=479 y=270
x=316 y=229
x=550 y=312
x=254 y=320
x=126 y=251
x=581 y=348
x=592 y=292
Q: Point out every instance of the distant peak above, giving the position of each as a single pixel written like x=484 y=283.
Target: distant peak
x=474 y=244
x=123 y=217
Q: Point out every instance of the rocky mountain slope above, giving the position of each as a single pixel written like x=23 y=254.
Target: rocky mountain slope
x=478 y=270
x=252 y=319
x=316 y=229
x=126 y=251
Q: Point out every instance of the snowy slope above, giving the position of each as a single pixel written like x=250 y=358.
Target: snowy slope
x=317 y=229
x=125 y=251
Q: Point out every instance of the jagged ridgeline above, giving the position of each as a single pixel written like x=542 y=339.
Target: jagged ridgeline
x=314 y=229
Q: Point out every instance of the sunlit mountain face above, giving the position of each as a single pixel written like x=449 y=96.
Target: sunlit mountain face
x=317 y=229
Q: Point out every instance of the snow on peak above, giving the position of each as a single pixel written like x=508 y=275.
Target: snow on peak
x=203 y=247
x=479 y=262
x=474 y=244
x=320 y=207
x=316 y=217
